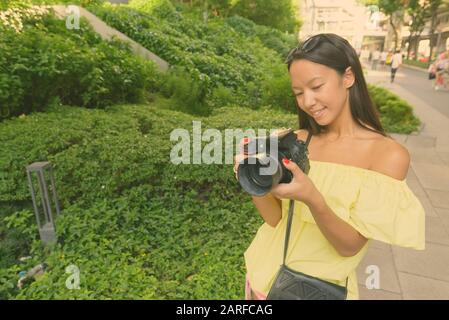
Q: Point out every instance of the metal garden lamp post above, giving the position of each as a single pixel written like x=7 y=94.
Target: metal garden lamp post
x=44 y=217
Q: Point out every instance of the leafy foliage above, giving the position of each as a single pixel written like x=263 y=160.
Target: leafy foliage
x=215 y=55
x=279 y=14
x=135 y=224
x=396 y=114
x=46 y=61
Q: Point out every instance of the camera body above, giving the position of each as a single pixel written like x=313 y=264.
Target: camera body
x=263 y=168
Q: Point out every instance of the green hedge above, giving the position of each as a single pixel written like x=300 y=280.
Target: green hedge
x=46 y=61
x=135 y=224
x=416 y=63
x=396 y=114
x=218 y=56
x=274 y=39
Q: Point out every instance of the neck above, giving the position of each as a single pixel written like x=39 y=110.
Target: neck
x=343 y=126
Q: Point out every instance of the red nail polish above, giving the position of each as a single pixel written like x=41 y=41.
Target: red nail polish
x=286 y=161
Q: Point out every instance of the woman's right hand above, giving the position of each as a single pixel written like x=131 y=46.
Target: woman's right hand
x=269 y=207
x=240 y=156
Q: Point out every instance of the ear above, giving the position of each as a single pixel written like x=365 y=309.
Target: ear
x=348 y=78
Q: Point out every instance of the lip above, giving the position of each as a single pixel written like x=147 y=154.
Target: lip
x=318 y=113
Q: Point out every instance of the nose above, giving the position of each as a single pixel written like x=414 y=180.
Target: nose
x=308 y=99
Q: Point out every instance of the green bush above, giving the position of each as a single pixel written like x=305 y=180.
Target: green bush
x=277 y=90
x=136 y=225
x=185 y=94
x=46 y=61
x=271 y=38
x=279 y=14
x=416 y=63
x=220 y=58
x=396 y=114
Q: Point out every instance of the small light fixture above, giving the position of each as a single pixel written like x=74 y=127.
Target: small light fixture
x=45 y=218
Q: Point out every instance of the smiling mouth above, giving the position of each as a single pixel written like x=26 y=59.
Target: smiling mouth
x=318 y=113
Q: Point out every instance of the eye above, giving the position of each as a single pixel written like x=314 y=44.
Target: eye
x=298 y=94
x=317 y=87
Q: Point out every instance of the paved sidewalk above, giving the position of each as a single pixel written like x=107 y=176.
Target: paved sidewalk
x=408 y=273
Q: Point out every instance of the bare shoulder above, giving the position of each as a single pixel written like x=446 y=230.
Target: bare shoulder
x=391 y=158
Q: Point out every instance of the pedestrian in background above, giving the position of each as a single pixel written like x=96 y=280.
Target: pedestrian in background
x=383 y=59
x=442 y=69
x=389 y=57
x=396 y=62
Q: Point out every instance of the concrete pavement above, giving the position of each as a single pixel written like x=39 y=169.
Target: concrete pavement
x=408 y=273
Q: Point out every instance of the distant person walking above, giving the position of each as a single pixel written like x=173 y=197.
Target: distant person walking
x=389 y=57
x=396 y=62
x=441 y=71
x=383 y=59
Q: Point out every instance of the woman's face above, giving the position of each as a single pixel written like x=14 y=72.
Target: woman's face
x=320 y=91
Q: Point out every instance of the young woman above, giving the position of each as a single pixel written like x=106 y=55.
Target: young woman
x=356 y=188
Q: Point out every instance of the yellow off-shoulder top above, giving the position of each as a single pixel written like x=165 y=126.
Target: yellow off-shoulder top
x=376 y=205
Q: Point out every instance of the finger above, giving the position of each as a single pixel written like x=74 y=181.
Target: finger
x=239 y=159
x=242 y=143
x=293 y=167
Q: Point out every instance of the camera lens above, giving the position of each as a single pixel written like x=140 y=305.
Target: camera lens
x=263 y=181
x=257 y=175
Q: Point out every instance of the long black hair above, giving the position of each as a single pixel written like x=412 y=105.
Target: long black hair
x=335 y=52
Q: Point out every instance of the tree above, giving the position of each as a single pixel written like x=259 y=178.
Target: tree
x=419 y=12
x=394 y=10
x=217 y=7
x=434 y=5
x=279 y=14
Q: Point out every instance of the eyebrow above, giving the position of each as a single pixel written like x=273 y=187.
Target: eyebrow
x=314 y=78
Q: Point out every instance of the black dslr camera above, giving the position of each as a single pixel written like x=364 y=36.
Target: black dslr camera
x=263 y=169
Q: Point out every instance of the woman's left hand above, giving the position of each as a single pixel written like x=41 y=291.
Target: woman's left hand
x=301 y=188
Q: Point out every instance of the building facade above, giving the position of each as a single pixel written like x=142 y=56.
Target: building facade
x=439 y=40
x=358 y=24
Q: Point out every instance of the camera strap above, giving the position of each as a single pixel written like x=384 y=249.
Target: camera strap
x=309 y=137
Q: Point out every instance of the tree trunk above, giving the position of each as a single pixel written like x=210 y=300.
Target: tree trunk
x=418 y=35
x=432 y=29
x=395 y=32
x=416 y=48
x=409 y=46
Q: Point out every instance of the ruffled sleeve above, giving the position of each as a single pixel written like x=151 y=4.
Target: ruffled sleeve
x=387 y=210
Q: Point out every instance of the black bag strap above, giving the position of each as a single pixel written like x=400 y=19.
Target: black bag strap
x=290 y=211
x=290 y=218
x=289 y=226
